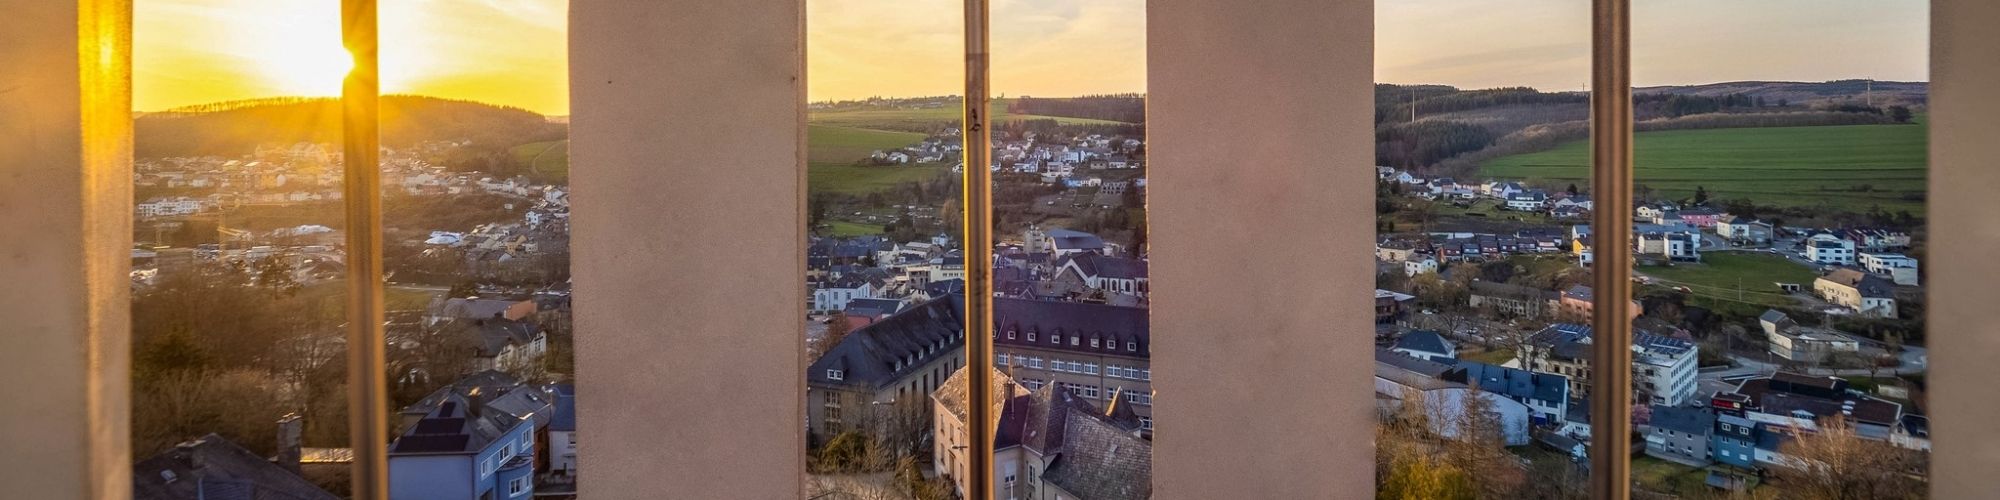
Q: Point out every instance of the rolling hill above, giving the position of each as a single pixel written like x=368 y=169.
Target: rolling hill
x=237 y=128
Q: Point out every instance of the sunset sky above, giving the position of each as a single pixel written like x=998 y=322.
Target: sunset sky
x=512 y=52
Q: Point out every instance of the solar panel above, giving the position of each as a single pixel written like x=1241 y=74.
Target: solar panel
x=439 y=426
x=431 y=443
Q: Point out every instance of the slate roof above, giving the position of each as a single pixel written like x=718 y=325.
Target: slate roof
x=212 y=468
x=1075 y=240
x=1410 y=372
x=1572 y=341
x=869 y=355
x=493 y=335
x=475 y=308
x=1682 y=419
x=1870 y=286
x=1102 y=462
x=1109 y=267
x=446 y=422
x=1775 y=396
x=564 y=418
x=1120 y=331
x=1425 y=341
x=1512 y=382
x=1011 y=411
x=1774 y=316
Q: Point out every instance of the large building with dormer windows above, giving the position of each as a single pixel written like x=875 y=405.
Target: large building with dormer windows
x=1098 y=352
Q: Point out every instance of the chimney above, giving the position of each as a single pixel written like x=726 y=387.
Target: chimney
x=475 y=402
x=291 y=429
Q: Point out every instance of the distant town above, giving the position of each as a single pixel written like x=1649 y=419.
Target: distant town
x=1768 y=329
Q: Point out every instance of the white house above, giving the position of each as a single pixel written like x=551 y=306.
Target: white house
x=1415 y=267
x=834 y=295
x=1901 y=269
x=1527 y=201
x=1426 y=345
x=1829 y=249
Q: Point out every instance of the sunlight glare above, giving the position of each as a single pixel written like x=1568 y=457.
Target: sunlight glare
x=298 y=51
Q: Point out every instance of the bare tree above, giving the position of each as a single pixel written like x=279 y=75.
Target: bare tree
x=1835 y=463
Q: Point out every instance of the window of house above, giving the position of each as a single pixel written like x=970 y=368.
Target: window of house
x=839 y=374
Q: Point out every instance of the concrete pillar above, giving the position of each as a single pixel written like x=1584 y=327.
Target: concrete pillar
x=688 y=138
x=1962 y=273
x=1261 y=150
x=65 y=240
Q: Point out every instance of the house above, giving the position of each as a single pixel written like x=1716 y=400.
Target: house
x=1048 y=443
x=1513 y=300
x=1876 y=239
x=1580 y=202
x=1415 y=267
x=1403 y=380
x=1546 y=394
x=1527 y=201
x=1391 y=307
x=212 y=467
x=1066 y=242
x=1794 y=342
x=1700 y=217
x=1744 y=230
x=1426 y=345
x=1867 y=295
x=1395 y=251
x=478 y=308
x=1663 y=367
x=562 y=431
x=1108 y=274
x=472 y=440
x=1826 y=248
x=502 y=344
x=1794 y=400
x=835 y=294
x=1900 y=269
x=1680 y=434
x=890 y=365
x=1578 y=303
x=1670 y=245
x=1734 y=441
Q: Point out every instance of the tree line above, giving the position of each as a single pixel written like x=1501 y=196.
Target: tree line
x=1128 y=108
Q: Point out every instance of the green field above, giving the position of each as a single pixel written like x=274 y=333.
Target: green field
x=845 y=229
x=550 y=159
x=1719 y=275
x=907 y=119
x=850 y=179
x=844 y=145
x=1849 y=166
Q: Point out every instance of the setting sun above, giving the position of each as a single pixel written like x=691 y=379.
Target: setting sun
x=306 y=67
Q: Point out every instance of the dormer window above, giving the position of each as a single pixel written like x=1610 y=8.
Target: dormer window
x=1075 y=341
x=1055 y=338
x=1031 y=336
x=1093 y=343
x=1010 y=335
x=836 y=374
x=1132 y=346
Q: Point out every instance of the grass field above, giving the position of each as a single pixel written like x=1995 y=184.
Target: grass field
x=845 y=229
x=1797 y=166
x=1720 y=273
x=844 y=145
x=550 y=159
x=851 y=179
x=905 y=119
